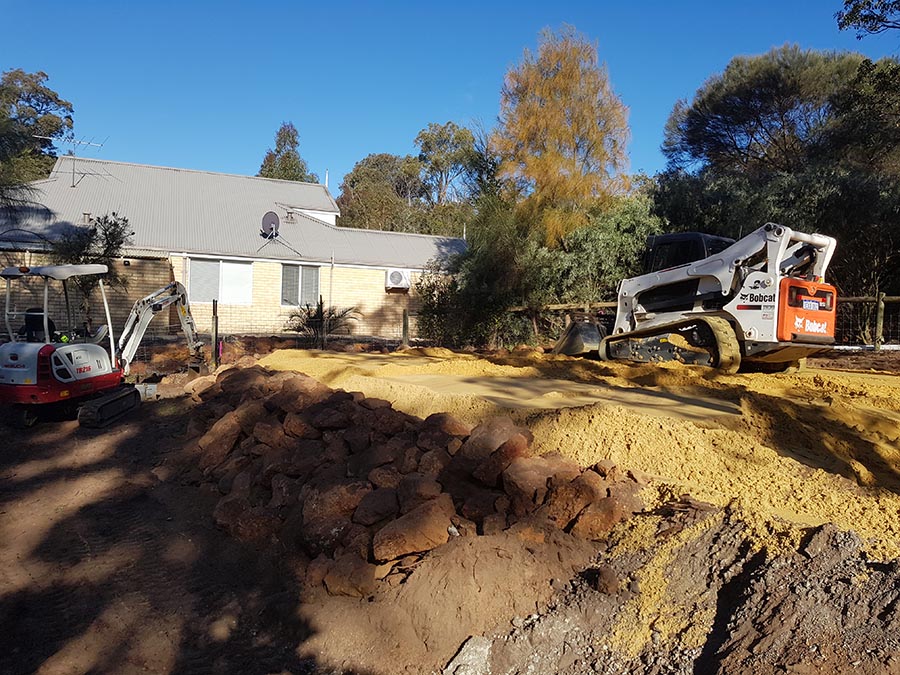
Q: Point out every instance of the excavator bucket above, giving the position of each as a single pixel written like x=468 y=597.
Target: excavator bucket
x=581 y=338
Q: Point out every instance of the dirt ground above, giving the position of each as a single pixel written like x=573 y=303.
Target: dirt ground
x=111 y=561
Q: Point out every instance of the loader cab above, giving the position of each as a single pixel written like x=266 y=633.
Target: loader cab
x=665 y=251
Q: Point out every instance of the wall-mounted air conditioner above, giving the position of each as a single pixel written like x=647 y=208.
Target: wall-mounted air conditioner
x=395 y=279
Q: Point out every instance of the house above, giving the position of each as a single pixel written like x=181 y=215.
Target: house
x=206 y=230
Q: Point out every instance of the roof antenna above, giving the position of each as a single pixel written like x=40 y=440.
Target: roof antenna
x=74 y=142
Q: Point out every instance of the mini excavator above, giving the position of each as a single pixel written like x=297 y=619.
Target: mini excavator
x=761 y=301
x=42 y=368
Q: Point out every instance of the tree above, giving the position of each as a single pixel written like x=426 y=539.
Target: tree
x=762 y=114
x=285 y=162
x=562 y=132
x=101 y=242
x=869 y=17
x=447 y=154
x=28 y=108
x=807 y=139
x=381 y=192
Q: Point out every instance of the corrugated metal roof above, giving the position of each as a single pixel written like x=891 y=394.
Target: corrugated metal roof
x=181 y=210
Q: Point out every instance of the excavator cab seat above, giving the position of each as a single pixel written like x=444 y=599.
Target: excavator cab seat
x=33 y=330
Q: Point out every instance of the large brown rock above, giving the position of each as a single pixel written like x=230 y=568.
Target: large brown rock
x=377 y=505
x=433 y=462
x=238 y=380
x=330 y=419
x=420 y=530
x=284 y=491
x=598 y=519
x=415 y=489
x=327 y=512
x=527 y=480
x=489 y=471
x=271 y=433
x=385 y=477
x=298 y=426
x=216 y=443
x=489 y=436
x=299 y=392
x=350 y=575
x=566 y=501
x=358 y=438
x=447 y=423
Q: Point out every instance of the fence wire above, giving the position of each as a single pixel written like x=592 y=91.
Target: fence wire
x=856 y=323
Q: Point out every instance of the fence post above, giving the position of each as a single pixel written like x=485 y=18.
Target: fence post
x=879 y=321
x=215 y=333
x=405 y=339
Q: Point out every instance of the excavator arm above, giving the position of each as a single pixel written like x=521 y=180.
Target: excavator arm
x=143 y=312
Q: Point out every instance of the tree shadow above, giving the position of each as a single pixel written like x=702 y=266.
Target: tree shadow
x=838 y=439
x=128 y=572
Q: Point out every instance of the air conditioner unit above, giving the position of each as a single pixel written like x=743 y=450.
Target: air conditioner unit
x=396 y=279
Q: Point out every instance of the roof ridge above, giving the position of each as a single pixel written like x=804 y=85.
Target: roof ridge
x=359 y=229
x=175 y=168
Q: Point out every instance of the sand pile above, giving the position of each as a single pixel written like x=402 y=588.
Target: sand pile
x=808 y=448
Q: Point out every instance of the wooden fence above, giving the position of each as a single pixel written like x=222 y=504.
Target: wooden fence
x=861 y=321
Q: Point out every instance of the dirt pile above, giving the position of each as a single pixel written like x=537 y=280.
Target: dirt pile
x=353 y=494
x=685 y=591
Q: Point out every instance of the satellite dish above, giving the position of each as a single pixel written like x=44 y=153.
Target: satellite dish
x=269 y=227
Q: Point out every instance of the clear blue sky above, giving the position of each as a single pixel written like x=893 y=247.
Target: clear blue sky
x=205 y=85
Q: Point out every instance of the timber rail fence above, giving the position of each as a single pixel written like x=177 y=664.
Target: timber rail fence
x=871 y=321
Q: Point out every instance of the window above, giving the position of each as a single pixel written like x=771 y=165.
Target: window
x=231 y=283
x=299 y=285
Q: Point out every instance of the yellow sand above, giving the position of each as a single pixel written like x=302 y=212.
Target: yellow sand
x=807 y=448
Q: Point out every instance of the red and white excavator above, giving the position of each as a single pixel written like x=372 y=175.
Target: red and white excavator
x=42 y=368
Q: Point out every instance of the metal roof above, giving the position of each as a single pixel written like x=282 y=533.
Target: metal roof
x=199 y=212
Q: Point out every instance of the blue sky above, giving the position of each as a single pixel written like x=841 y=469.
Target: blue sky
x=205 y=85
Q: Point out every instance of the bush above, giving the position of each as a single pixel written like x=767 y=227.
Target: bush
x=317 y=323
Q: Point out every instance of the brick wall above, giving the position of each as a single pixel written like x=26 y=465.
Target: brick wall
x=143 y=277
x=380 y=312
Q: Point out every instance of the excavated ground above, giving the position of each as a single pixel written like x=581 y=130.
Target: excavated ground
x=112 y=563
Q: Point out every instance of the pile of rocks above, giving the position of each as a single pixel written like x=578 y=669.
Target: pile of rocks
x=356 y=492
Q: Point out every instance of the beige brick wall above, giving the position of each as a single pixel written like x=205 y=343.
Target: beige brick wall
x=380 y=311
x=143 y=277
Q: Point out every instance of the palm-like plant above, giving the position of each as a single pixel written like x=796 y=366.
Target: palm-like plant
x=318 y=322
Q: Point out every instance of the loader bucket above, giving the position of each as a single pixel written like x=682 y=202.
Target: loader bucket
x=581 y=338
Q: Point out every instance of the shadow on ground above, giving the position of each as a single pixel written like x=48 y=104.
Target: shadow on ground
x=108 y=569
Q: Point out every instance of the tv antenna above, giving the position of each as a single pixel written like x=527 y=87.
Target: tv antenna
x=268 y=230
x=75 y=143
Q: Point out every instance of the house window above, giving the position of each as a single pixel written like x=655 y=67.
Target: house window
x=231 y=283
x=299 y=285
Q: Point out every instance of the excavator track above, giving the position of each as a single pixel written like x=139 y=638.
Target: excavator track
x=703 y=341
x=105 y=409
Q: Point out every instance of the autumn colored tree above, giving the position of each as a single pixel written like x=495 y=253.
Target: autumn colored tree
x=562 y=133
x=284 y=161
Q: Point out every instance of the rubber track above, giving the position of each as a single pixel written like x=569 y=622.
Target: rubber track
x=106 y=409
x=727 y=354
